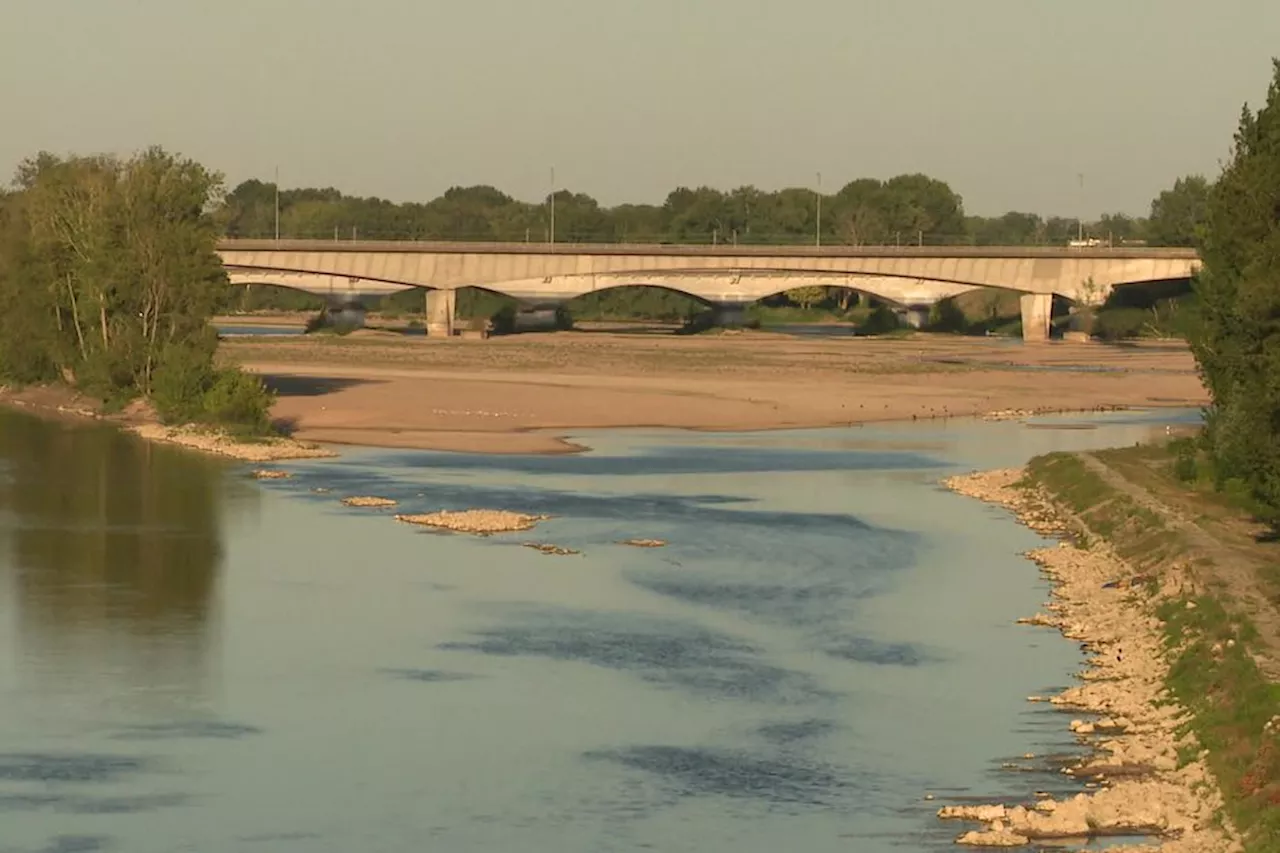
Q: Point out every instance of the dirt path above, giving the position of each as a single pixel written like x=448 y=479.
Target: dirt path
x=1229 y=558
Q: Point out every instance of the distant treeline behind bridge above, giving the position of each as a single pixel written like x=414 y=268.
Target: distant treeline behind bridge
x=908 y=209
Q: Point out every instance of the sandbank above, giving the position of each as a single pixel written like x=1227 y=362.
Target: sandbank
x=525 y=394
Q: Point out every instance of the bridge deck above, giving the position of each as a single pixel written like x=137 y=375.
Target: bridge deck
x=684 y=250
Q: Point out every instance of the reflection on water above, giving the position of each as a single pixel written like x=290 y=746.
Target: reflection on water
x=193 y=661
x=665 y=652
x=112 y=549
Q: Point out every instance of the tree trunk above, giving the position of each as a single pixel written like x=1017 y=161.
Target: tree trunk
x=75 y=318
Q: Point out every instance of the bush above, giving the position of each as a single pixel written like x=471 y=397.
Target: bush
x=946 y=316
x=881 y=321
x=1185 y=466
x=179 y=382
x=1121 y=323
x=504 y=320
x=238 y=401
x=187 y=388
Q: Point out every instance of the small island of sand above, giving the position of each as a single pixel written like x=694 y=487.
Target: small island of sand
x=481 y=522
x=369 y=501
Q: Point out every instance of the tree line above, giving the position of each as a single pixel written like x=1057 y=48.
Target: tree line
x=904 y=210
x=1237 y=343
x=108 y=277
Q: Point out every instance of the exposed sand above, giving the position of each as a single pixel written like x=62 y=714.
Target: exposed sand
x=522 y=394
x=1144 y=788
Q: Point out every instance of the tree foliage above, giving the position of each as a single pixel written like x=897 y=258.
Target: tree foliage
x=906 y=209
x=109 y=277
x=1237 y=344
x=1178 y=214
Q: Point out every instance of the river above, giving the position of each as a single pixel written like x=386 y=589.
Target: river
x=192 y=660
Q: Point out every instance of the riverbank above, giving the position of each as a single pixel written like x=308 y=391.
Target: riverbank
x=1175 y=700
x=61 y=402
x=523 y=394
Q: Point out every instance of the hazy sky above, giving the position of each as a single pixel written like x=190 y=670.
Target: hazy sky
x=1008 y=100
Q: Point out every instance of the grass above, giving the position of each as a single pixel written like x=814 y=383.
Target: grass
x=1137 y=534
x=1213 y=675
x=1212 y=672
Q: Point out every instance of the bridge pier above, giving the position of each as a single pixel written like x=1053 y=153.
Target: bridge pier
x=441 y=305
x=1037 y=309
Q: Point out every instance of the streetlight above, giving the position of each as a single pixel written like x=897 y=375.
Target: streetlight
x=277 y=185
x=817 y=231
x=1080 y=218
x=552 y=231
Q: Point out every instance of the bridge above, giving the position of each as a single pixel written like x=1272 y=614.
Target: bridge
x=725 y=277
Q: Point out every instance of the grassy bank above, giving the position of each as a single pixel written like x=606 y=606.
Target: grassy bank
x=1162 y=526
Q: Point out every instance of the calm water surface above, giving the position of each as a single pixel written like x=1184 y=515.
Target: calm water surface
x=194 y=661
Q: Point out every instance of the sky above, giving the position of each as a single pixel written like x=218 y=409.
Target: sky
x=1009 y=101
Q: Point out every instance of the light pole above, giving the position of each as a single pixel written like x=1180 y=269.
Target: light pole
x=1080 y=218
x=277 y=186
x=552 y=230
x=817 y=231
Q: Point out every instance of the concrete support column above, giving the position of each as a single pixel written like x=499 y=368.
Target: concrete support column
x=440 y=312
x=1037 y=309
x=729 y=315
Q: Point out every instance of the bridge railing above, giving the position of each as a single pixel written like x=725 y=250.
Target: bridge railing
x=739 y=250
x=540 y=238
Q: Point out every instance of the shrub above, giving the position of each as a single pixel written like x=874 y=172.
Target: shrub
x=881 y=321
x=504 y=320
x=187 y=388
x=946 y=316
x=237 y=400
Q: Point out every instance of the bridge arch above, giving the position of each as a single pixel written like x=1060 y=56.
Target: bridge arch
x=1039 y=270
x=731 y=287
x=714 y=286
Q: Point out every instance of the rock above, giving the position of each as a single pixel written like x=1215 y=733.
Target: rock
x=547 y=548
x=1134 y=786
x=481 y=522
x=644 y=543
x=368 y=501
x=993 y=839
x=212 y=441
x=265 y=474
x=984 y=814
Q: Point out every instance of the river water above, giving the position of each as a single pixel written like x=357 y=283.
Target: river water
x=191 y=660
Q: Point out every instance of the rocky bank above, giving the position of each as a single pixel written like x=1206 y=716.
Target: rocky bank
x=1140 y=786
x=61 y=402
x=205 y=440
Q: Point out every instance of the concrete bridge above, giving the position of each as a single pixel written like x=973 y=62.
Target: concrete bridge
x=728 y=278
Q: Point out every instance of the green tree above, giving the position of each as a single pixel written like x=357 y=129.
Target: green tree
x=1237 y=344
x=1178 y=214
x=1011 y=229
x=1119 y=228
x=109 y=277
x=807 y=297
